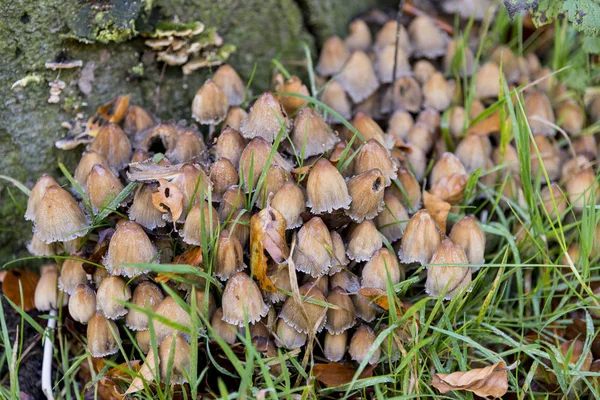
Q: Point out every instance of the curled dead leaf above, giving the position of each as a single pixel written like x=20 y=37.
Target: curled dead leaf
x=267 y=234
x=450 y=188
x=168 y=199
x=491 y=381
x=12 y=283
x=438 y=208
x=336 y=374
x=192 y=256
x=486 y=126
x=118 y=107
x=146 y=373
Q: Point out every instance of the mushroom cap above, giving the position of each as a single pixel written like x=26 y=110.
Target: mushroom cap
x=112 y=292
x=210 y=104
x=420 y=240
x=305 y=317
x=103 y=336
x=326 y=189
x=59 y=218
x=129 y=245
x=311 y=136
x=358 y=77
x=314 y=244
x=366 y=190
x=242 y=299
x=146 y=294
x=363 y=241
x=342 y=319
x=265 y=119
x=230 y=83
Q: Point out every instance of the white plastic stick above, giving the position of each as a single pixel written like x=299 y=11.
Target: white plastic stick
x=47 y=363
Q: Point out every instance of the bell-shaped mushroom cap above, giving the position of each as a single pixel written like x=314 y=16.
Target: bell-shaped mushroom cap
x=358 y=77
x=342 y=318
x=388 y=34
x=383 y=264
x=59 y=218
x=553 y=201
x=112 y=292
x=474 y=151
x=503 y=55
x=88 y=160
x=201 y=220
x=112 y=144
x=174 y=354
x=279 y=274
x=189 y=145
x=210 y=104
x=446 y=166
x=459 y=58
x=334 y=346
x=254 y=160
x=46 y=294
x=171 y=310
x=233 y=200
x=38 y=248
x=311 y=135
x=142 y=209
x=71 y=275
x=549 y=156
x=313 y=249
x=404 y=94
x=468 y=235
x=102 y=336
x=369 y=130
x=363 y=241
x=230 y=256
x=427 y=39
x=242 y=300
x=421 y=238
x=82 y=303
x=453 y=275
x=359 y=37
x=335 y=97
x=265 y=119
x=129 y=245
x=385 y=64
x=290 y=202
x=346 y=280
x=487 y=81
x=137 y=119
x=539 y=113
x=230 y=83
x=274 y=179
x=223 y=175
x=145 y=295
x=288 y=337
x=437 y=92
x=230 y=145
x=373 y=155
x=333 y=56
x=326 y=189
x=338 y=254
x=392 y=220
x=305 y=317
x=292 y=103
x=366 y=190
x=224 y=330
x=162 y=137
x=102 y=186
x=365 y=309
x=234 y=118
x=422 y=70
x=360 y=344
x=194 y=184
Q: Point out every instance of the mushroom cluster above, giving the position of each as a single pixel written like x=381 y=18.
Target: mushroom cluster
x=294 y=213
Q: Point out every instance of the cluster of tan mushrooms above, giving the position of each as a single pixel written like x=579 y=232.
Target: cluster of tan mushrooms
x=298 y=212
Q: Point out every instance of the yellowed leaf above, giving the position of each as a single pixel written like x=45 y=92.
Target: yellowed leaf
x=267 y=234
x=168 y=199
x=487 y=125
x=119 y=109
x=491 y=381
x=438 y=208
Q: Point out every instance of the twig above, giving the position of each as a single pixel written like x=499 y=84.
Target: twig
x=47 y=363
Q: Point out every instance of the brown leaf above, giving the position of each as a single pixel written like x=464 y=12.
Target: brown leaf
x=491 y=381
x=120 y=109
x=267 y=233
x=109 y=388
x=168 y=199
x=487 y=125
x=28 y=281
x=336 y=374
x=192 y=256
x=438 y=208
x=380 y=297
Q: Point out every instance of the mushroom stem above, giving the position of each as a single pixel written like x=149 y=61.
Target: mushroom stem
x=47 y=363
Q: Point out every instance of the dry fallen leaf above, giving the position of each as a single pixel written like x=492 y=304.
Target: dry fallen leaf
x=146 y=373
x=336 y=374
x=109 y=388
x=192 y=256
x=28 y=280
x=267 y=233
x=119 y=109
x=168 y=199
x=491 y=381
x=438 y=208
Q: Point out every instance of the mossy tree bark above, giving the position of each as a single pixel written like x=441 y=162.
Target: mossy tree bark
x=104 y=34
